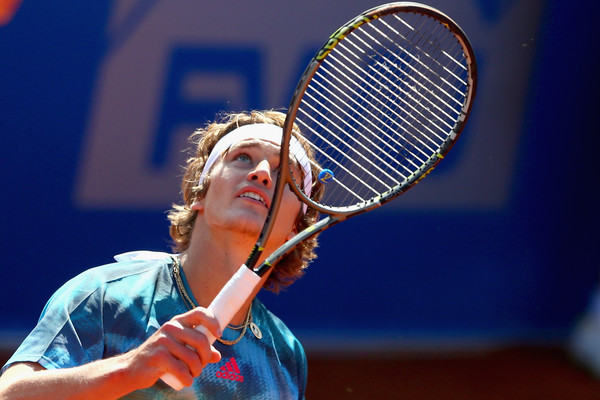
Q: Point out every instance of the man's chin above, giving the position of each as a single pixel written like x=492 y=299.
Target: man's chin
x=250 y=227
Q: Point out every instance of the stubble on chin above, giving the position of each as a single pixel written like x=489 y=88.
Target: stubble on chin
x=244 y=227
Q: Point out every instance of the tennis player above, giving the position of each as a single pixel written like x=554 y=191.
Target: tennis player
x=114 y=330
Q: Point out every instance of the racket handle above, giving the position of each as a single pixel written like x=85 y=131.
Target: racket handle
x=227 y=303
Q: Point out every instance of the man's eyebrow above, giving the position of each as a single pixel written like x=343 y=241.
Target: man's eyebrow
x=295 y=167
x=254 y=144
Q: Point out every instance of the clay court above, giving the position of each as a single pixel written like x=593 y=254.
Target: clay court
x=515 y=373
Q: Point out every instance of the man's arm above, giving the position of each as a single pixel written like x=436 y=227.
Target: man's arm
x=170 y=349
x=98 y=380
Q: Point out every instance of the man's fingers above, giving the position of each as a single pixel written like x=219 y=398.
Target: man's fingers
x=201 y=316
x=194 y=347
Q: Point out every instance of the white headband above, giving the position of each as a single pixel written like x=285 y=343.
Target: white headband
x=268 y=132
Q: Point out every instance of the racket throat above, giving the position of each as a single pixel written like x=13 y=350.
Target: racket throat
x=252 y=260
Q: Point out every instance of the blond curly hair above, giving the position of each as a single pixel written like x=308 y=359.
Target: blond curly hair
x=182 y=217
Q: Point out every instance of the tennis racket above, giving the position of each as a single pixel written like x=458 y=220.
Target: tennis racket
x=380 y=104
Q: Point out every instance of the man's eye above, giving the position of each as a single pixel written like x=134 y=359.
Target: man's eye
x=243 y=157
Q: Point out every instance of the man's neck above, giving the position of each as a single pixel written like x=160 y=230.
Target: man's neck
x=210 y=261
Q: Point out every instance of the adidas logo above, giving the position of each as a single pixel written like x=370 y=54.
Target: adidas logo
x=230 y=371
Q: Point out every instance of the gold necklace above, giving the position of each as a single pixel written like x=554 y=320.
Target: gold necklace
x=189 y=303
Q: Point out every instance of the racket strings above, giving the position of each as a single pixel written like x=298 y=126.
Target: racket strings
x=383 y=99
x=350 y=153
x=352 y=95
x=407 y=97
x=356 y=133
x=383 y=104
x=452 y=42
x=419 y=80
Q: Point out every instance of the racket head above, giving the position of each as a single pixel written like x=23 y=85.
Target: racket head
x=380 y=105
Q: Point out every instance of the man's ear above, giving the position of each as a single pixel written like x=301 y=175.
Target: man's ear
x=197 y=205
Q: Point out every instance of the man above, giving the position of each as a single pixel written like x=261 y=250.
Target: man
x=114 y=330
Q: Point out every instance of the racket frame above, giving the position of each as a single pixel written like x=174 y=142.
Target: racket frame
x=338 y=214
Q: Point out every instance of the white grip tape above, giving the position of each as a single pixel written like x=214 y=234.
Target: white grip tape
x=227 y=303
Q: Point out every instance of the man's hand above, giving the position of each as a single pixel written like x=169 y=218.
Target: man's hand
x=176 y=348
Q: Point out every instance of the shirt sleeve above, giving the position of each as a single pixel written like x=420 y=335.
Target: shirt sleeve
x=69 y=331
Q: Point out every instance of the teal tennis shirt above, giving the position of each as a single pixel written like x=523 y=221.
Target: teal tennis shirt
x=111 y=309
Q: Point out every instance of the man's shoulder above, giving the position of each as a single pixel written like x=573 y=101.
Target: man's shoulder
x=123 y=269
x=120 y=282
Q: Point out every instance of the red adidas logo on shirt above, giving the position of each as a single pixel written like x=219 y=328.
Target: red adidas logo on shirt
x=230 y=371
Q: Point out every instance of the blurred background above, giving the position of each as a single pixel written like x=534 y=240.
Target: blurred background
x=474 y=279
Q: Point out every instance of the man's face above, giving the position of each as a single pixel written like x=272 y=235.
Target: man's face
x=241 y=188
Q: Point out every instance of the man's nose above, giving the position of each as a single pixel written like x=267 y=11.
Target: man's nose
x=262 y=173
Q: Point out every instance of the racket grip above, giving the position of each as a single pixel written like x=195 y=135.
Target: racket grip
x=227 y=303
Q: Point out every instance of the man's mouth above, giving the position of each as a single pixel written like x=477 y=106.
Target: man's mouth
x=254 y=196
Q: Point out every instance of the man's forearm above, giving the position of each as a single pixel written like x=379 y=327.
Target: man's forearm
x=102 y=380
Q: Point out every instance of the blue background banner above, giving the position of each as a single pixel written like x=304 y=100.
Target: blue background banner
x=498 y=244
